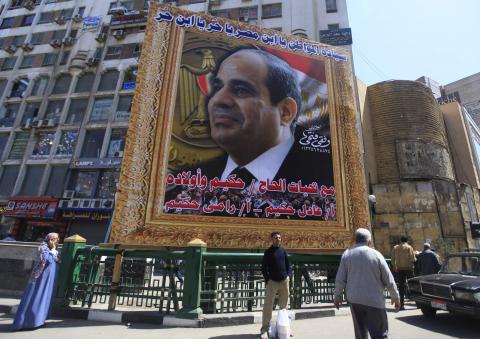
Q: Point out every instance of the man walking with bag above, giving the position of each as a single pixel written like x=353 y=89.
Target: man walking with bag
x=276 y=270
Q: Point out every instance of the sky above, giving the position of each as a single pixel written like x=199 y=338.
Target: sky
x=405 y=39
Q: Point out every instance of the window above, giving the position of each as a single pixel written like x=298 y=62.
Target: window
x=333 y=26
x=271 y=11
x=85 y=83
x=9 y=114
x=83 y=183
x=16 y=4
x=117 y=143
x=101 y=109
x=59 y=34
x=54 y=109
x=113 y=52
x=49 y=59
x=123 y=109
x=46 y=17
x=76 y=111
x=108 y=81
x=67 y=13
x=3 y=143
x=3 y=84
x=128 y=4
x=81 y=10
x=92 y=145
x=62 y=84
x=31 y=111
x=27 y=61
x=40 y=85
x=67 y=143
x=107 y=184
x=27 y=20
x=331 y=6
x=33 y=177
x=18 y=40
x=248 y=13
x=7 y=23
x=19 y=145
x=56 y=181
x=9 y=63
x=8 y=179
x=37 y=38
x=43 y=145
x=19 y=88
x=137 y=50
x=65 y=56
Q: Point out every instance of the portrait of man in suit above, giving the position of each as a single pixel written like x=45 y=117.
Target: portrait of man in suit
x=253 y=104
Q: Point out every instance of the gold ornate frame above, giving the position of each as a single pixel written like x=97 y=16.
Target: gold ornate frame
x=138 y=219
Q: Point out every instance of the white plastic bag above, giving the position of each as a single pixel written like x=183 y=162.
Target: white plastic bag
x=272 y=330
x=283 y=324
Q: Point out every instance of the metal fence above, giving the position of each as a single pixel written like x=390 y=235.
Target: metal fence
x=228 y=282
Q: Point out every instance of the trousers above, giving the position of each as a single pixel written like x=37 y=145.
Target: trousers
x=272 y=288
x=369 y=319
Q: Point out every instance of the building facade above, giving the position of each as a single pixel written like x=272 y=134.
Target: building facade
x=67 y=81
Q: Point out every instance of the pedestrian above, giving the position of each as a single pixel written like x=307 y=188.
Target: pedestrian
x=35 y=304
x=403 y=260
x=9 y=237
x=364 y=274
x=276 y=270
x=428 y=261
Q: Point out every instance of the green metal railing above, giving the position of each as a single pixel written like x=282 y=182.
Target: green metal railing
x=213 y=282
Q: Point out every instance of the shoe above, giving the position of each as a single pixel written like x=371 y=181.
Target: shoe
x=264 y=335
x=402 y=308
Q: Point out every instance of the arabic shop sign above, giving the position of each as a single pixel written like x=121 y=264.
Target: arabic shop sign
x=229 y=30
x=91 y=23
x=97 y=163
x=31 y=208
x=336 y=37
x=85 y=215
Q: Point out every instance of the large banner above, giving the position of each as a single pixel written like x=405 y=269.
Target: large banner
x=237 y=131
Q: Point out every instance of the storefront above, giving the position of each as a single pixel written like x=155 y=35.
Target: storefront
x=89 y=223
x=30 y=219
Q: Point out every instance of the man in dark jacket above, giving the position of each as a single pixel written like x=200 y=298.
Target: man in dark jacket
x=428 y=261
x=275 y=269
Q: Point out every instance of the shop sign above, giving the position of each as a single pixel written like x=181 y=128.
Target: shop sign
x=97 y=163
x=95 y=215
x=336 y=37
x=129 y=85
x=31 y=207
x=91 y=23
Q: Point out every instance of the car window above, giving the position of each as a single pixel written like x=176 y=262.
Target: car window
x=463 y=265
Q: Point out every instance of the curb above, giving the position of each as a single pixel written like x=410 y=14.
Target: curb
x=155 y=318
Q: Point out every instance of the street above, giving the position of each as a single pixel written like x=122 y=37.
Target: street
x=406 y=324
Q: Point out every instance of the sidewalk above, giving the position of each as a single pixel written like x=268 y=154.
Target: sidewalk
x=10 y=305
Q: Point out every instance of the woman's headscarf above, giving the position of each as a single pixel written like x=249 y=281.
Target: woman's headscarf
x=50 y=236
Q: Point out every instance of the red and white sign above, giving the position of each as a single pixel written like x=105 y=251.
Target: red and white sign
x=31 y=207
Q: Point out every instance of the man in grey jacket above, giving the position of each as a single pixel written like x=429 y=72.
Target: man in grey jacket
x=364 y=274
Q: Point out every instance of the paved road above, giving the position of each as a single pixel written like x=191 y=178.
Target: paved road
x=406 y=324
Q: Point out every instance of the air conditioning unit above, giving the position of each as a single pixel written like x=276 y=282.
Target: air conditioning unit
x=68 y=41
x=118 y=154
x=107 y=203
x=77 y=18
x=30 y=5
x=68 y=194
x=27 y=47
x=93 y=61
x=96 y=203
x=101 y=37
x=56 y=43
x=60 y=20
x=64 y=203
x=11 y=49
x=85 y=203
x=119 y=34
x=38 y=123
x=51 y=122
x=120 y=10
x=75 y=203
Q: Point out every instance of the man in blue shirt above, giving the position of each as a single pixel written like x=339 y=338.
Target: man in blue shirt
x=276 y=270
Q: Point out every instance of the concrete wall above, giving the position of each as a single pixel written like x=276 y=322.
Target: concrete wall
x=16 y=263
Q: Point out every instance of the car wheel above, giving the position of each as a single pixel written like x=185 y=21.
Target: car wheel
x=428 y=311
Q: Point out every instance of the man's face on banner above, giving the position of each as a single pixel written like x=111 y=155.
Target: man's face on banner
x=240 y=110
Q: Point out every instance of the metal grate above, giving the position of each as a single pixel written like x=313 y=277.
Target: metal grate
x=438 y=291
